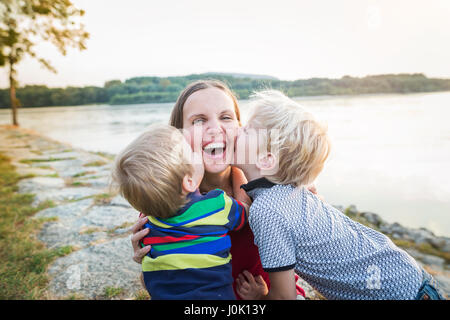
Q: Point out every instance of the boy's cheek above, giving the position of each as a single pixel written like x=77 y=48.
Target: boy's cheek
x=240 y=151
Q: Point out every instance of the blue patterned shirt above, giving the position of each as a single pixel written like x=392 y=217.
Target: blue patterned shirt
x=339 y=257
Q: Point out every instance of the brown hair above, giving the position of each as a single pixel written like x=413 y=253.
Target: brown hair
x=176 y=118
x=150 y=170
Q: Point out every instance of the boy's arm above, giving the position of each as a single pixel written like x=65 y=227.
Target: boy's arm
x=238 y=212
x=282 y=286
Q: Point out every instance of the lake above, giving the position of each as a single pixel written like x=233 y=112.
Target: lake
x=391 y=153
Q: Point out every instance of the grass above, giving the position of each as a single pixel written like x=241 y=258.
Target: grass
x=97 y=163
x=79 y=184
x=24 y=259
x=103 y=198
x=105 y=155
x=51 y=159
x=111 y=292
x=141 y=295
x=82 y=174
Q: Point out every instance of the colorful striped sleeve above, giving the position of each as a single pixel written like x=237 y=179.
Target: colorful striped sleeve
x=237 y=215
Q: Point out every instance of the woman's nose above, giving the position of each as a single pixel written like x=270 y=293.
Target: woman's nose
x=214 y=127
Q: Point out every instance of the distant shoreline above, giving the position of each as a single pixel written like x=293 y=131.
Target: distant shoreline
x=318 y=97
x=142 y=90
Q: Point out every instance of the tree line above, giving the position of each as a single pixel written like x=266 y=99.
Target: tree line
x=166 y=89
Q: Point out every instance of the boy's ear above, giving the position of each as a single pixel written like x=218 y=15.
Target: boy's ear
x=189 y=184
x=267 y=164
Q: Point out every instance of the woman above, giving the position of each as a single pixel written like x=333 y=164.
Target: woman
x=209 y=107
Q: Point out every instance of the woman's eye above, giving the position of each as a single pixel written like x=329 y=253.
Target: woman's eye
x=227 y=118
x=198 y=121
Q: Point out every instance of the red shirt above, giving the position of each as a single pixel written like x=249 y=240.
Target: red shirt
x=245 y=256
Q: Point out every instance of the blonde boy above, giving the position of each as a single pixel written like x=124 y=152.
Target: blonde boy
x=159 y=175
x=295 y=231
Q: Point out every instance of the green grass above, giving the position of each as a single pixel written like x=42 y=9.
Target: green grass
x=111 y=292
x=82 y=174
x=103 y=198
x=79 y=184
x=97 y=163
x=51 y=159
x=141 y=295
x=23 y=259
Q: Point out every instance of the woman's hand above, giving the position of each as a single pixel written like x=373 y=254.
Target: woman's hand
x=313 y=190
x=251 y=288
x=138 y=235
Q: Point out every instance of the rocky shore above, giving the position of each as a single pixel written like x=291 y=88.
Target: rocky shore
x=94 y=223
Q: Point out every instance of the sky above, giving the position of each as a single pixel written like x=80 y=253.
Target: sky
x=290 y=40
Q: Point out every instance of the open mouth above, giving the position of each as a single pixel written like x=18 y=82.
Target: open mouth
x=215 y=150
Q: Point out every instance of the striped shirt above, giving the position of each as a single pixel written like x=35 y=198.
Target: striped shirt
x=190 y=255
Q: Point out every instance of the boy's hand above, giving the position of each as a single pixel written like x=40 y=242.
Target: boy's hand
x=251 y=288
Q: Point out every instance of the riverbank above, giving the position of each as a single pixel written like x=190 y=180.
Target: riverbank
x=90 y=226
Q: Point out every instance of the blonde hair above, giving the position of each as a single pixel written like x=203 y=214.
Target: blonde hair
x=150 y=170
x=299 y=141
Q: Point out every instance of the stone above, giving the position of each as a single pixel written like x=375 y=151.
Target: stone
x=372 y=218
x=37 y=184
x=67 y=211
x=444 y=284
x=351 y=210
x=108 y=217
x=64 y=194
x=120 y=201
x=91 y=270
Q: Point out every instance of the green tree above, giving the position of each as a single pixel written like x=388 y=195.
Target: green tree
x=25 y=23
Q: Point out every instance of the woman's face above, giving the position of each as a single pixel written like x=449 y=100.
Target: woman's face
x=210 y=120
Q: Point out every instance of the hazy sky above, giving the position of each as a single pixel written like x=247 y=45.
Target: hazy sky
x=288 y=39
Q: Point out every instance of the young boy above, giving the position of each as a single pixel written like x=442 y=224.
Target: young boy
x=296 y=231
x=159 y=175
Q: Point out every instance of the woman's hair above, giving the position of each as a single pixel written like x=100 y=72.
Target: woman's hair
x=299 y=141
x=176 y=118
x=149 y=172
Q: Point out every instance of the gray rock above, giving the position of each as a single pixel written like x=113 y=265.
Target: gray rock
x=120 y=201
x=64 y=194
x=107 y=217
x=58 y=234
x=351 y=210
x=444 y=284
x=340 y=208
x=446 y=248
x=37 y=184
x=372 y=218
x=91 y=270
x=69 y=211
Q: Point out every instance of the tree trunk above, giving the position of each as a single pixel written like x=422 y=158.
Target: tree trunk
x=12 y=94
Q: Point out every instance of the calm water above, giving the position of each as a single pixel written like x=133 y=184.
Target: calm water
x=391 y=153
